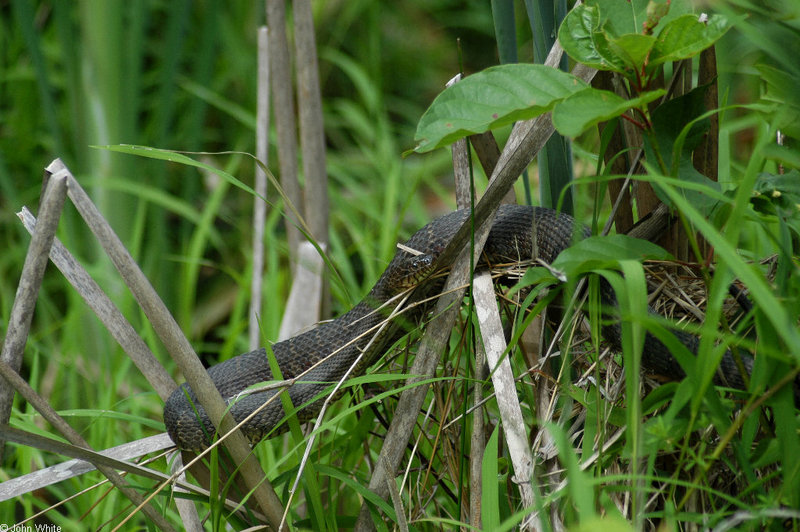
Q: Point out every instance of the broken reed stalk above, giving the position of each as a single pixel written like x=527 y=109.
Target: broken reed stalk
x=259 y=204
x=81 y=449
x=464 y=197
x=115 y=323
x=312 y=135
x=285 y=120
x=425 y=363
x=55 y=190
x=47 y=476
x=19 y=322
x=108 y=313
x=176 y=343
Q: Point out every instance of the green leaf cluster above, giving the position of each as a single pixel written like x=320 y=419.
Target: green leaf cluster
x=501 y=95
x=632 y=38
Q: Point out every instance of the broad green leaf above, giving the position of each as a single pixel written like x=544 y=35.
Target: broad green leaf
x=704 y=196
x=600 y=252
x=672 y=117
x=687 y=36
x=608 y=52
x=536 y=276
x=781 y=92
x=779 y=185
x=633 y=49
x=610 y=35
x=589 y=106
x=620 y=17
x=678 y=127
x=492 y=98
x=781 y=85
x=576 y=36
x=584 y=40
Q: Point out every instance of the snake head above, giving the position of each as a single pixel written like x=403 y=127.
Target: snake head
x=418 y=268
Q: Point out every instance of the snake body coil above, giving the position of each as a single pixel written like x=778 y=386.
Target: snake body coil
x=332 y=348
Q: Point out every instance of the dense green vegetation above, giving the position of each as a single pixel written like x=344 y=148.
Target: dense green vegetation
x=180 y=75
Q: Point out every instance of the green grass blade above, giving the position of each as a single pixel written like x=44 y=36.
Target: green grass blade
x=490 y=496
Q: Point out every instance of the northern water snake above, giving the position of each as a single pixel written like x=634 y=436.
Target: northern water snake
x=331 y=348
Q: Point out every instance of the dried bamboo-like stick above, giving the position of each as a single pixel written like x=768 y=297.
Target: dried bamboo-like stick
x=425 y=363
x=492 y=346
x=41 y=478
x=19 y=323
x=285 y=122
x=312 y=135
x=259 y=205
x=108 y=313
x=177 y=345
x=506 y=393
x=101 y=462
x=464 y=192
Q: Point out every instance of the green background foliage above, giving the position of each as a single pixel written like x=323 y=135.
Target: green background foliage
x=180 y=75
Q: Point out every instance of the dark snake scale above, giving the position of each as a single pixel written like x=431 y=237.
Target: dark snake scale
x=357 y=331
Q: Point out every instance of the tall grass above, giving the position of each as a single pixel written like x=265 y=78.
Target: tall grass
x=177 y=76
x=180 y=75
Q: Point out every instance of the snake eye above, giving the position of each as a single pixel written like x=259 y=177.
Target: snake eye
x=421 y=263
x=417 y=268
